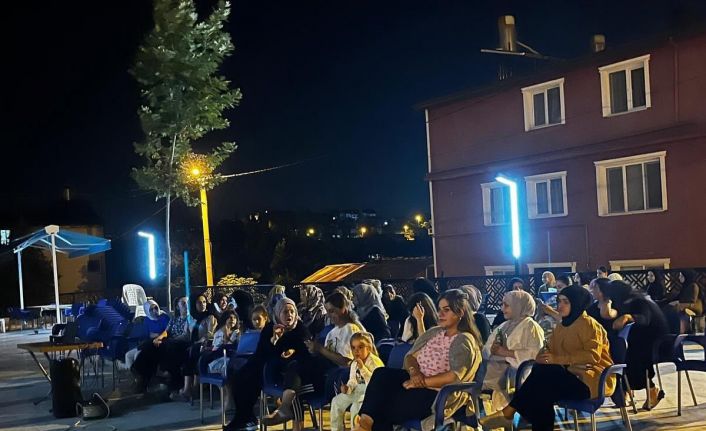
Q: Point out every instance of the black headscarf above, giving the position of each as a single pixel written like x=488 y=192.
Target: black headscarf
x=579 y=298
x=689 y=277
x=509 y=286
x=619 y=292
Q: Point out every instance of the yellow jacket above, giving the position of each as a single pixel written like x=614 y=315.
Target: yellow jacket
x=583 y=346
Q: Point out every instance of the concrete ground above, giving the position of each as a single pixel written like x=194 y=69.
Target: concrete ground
x=21 y=383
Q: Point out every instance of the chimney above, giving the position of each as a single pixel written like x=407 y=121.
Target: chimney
x=507 y=33
x=67 y=194
x=597 y=43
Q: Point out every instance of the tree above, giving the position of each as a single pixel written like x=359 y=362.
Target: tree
x=183 y=98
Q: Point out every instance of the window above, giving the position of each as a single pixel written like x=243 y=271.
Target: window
x=639 y=264
x=544 y=104
x=492 y=270
x=546 y=195
x=625 y=86
x=556 y=267
x=635 y=184
x=5 y=237
x=496 y=204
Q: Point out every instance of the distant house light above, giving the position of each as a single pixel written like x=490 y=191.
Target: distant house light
x=5 y=237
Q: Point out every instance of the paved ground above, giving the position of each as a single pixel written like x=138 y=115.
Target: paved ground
x=21 y=383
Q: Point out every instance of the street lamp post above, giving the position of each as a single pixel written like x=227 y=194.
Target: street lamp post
x=198 y=171
x=514 y=219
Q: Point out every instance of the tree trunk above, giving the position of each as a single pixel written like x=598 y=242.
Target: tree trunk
x=167 y=227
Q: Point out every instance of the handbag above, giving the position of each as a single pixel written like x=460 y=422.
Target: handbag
x=95 y=408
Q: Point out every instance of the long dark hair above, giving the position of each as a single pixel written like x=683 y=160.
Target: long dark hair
x=458 y=303
x=340 y=301
x=224 y=319
x=512 y=281
x=431 y=317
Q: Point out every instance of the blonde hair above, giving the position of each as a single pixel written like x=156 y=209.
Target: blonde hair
x=550 y=277
x=366 y=338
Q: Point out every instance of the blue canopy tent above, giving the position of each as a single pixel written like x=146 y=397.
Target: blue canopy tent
x=71 y=243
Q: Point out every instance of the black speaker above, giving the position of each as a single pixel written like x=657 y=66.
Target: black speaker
x=65 y=387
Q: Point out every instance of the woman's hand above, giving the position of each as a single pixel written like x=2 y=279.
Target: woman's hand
x=157 y=341
x=414 y=383
x=288 y=353
x=621 y=321
x=313 y=346
x=277 y=332
x=499 y=350
x=545 y=358
x=418 y=312
x=344 y=388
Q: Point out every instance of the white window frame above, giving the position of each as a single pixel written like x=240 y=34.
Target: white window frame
x=487 y=219
x=627 y=66
x=602 y=182
x=490 y=269
x=532 y=266
x=531 y=182
x=528 y=103
x=616 y=265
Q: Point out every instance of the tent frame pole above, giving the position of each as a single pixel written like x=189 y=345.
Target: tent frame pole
x=56 y=277
x=19 y=276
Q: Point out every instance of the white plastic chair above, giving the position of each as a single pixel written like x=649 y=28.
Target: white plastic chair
x=134 y=296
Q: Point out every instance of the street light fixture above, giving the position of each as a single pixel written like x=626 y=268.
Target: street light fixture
x=198 y=171
x=150 y=253
x=363 y=231
x=514 y=218
x=418 y=218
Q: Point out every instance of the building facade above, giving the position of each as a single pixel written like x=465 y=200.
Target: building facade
x=609 y=153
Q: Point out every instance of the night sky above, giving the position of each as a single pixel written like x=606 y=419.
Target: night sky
x=331 y=80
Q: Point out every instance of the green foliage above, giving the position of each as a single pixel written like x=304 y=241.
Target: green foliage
x=183 y=96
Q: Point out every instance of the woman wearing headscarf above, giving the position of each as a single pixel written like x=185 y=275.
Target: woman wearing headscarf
x=518 y=339
x=422 y=285
x=370 y=312
x=244 y=304
x=475 y=299
x=515 y=283
x=273 y=296
x=626 y=305
x=282 y=346
x=145 y=365
x=690 y=298
x=311 y=308
x=655 y=285
x=569 y=369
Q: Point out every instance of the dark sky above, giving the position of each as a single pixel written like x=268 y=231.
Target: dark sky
x=330 y=79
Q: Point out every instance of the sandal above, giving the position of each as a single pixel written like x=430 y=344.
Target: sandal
x=653 y=400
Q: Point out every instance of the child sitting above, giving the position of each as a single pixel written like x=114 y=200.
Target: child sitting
x=259 y=317
x=365 y=361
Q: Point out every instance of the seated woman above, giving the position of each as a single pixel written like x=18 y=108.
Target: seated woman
x=219 y=305
x=655 y=285
x=422 y=316
x=259 y=317
x=597 y=286
x=690 y=299
x=568 y=370
x=547 y=316
x=548 y=281
x=513 y=284
x=448 y=353
x=282 y=344
x=147 y=362
x=518 y=339
x=396 y=309
x=276 y=293
x=368 y=306
x=626 y=305
x=203 y=327
x=475 y=299
x=311 y=308
x=422 y=285
x=244 y=305
x=336 y=351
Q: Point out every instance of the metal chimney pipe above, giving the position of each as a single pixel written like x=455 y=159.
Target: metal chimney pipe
x=507 y=33
x=598 y=43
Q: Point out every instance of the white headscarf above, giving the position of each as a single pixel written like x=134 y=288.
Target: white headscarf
x=475 y=298
x=148 y=305
x=522 y=305
x=615 y=276
x=366 y=299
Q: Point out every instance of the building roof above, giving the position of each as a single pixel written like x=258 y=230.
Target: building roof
x=384 y=269
x=552 y=67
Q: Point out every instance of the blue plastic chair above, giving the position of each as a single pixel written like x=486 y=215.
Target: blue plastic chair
x=272 y=387
x=397 y=354
x=213 y=379
x=687 y=365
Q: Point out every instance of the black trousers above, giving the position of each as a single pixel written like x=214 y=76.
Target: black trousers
x=172 y=356
x=388 y=403
x=546 y=385
x=147 y=361
x=193 y=353
x=245 y=386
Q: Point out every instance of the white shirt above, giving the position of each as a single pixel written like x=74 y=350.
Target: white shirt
x=526 y=340
x=364 y=373
x=339 y=339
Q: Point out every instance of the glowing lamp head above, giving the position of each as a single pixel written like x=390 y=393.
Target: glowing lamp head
x=195 y=172
x=418 y=218
x=514 y=213
x=310 y=231
x=363 y=230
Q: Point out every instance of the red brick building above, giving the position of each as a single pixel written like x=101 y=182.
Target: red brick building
x=609 y=153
